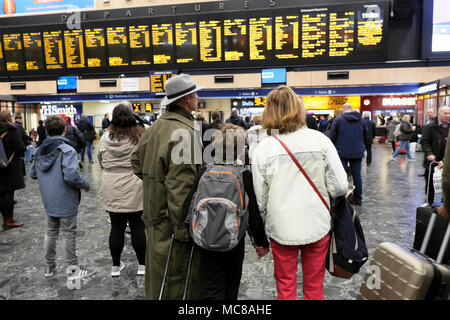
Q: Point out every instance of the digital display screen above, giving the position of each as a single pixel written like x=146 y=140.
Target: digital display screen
x=95 y=48
x=370 y=28
x=34 y=55
x=273 y=76
x=186 y=42
x=441 y=26
x=13 y=51
x=67 y=83
x=210 y=41
x=54 y=51
x=73 y=40
x=162 y=36
x=341 y=35
x=117 y=46
x=140 y=45
x=314 y=35
x=1 y=57
x=157 y=82
x=235 y=39
x=287 y=37
x=260 y=38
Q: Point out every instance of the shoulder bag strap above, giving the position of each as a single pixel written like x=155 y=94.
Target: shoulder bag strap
x=303 y=171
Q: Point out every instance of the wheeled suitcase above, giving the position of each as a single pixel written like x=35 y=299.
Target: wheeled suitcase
x=398 y=273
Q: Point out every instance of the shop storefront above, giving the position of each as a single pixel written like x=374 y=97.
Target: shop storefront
x=381 y=107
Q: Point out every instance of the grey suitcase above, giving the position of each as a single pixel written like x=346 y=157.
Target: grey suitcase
x=398 y=273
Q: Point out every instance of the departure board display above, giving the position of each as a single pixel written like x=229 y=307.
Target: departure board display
x=34 y=53
x=287 y=37
x=235 y=39
x=140 y=45
x=54 y=51
x=117 y=46
x=12 y=43
x=186 y=42
x=280 y=35
x=370 y=28
x=260 y=38
x=162 y=37
x=157 y=82
x=210 y=33
x=342 y=25
x=314 y=35
x=73 y=40
x=95 y=47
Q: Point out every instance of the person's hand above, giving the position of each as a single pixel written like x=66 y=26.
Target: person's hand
x=440 y=164
x=87 y=189
x=182 y=239
x=442 y=212
x=261 y=251
x=431 y=158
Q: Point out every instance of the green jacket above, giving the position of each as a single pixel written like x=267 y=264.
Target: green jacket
x=166 y=186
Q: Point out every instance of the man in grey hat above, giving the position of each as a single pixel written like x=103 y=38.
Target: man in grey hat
x=167 y=183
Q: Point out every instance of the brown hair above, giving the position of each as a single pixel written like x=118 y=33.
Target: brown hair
x=256 y=119
x=217 y=120
x=284 y=111
x=6 y=117
x=54 y=125
x=124 y=126
x=230 y=137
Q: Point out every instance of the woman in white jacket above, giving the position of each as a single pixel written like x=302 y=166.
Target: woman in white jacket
x=294 y=215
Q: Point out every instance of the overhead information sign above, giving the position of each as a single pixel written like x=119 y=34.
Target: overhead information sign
x=95 y=48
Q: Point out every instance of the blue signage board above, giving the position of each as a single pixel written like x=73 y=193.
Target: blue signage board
x=11 y=7
x=67 y=83
x=273 y=76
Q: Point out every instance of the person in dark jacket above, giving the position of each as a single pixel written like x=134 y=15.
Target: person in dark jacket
x=106 y=121
x=372 y=132
x=434 y=141
x=235 y=119
x=11 y=177
x=406 y=130
x=311 y=122
x=86 y=128
x=349 y=134
x=222 y=271
x=26 y=138
x=74 y=135
x=41 y=133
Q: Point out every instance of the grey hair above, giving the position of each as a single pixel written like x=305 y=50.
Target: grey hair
x=347 y=106
x=441 y=109
x=366 y=114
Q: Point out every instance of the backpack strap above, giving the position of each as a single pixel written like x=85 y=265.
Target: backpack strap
x=304 y=172
x=14 y=152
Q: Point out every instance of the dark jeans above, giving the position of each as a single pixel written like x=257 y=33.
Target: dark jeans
x=222 y=272
x=369 y=154
x=430 y=197
x=117 y=235
x=89 y=152
x=7 y=204
x=355 y=169
x=393 y=146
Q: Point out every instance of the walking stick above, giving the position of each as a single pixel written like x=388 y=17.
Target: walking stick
x=188 y=272
x=163 y=284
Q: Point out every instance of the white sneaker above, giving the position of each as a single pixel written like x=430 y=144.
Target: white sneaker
x=425 y=204
x=81 y=272
x=141 y=270
x=115 y=270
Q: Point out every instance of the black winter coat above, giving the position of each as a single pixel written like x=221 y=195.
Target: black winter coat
x=74 y=135
x=431 y=142
x=11 y=177
x=406 y=131
x=41 y=135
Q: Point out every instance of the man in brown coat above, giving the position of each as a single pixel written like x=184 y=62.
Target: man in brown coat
x=167 y=182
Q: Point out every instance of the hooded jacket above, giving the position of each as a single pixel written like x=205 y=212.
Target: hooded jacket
x=349 y=134
x=234 y=119
x=121 y=189
x=390 y=130
x=55 y=166
x=11 y=177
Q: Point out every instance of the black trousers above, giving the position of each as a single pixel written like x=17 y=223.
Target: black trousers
x=7 y=204
x=430 y=197
x=369 y=154
x=222 y=272
x=117 y=235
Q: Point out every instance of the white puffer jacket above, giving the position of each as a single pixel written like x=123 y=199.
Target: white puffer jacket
x=292 y=211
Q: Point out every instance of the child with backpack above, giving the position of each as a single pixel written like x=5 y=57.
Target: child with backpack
x=220 y=208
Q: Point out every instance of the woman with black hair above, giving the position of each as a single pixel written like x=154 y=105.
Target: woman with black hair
x=121 y=190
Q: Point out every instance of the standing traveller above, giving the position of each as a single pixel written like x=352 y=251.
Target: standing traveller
x=406 y=130
x=350 y=135
x=106 y=121
x=41 y=133
x=295 y=217
x=235 y=119
x=55 y=166
x=88 y=131
x=121 y=190
x=372 y=132
x=74 y=135
x=434 y=141
x=11 y=177
x=391 y=129
x=167 y=182
x=431 y=115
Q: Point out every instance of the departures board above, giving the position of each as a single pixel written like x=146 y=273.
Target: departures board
x=300 y=36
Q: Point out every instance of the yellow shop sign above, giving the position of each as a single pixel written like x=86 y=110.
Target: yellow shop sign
x=331 y=102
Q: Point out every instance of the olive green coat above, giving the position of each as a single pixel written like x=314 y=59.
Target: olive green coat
x=166 y=186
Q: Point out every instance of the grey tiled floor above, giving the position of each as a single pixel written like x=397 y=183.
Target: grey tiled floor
x=391 y=191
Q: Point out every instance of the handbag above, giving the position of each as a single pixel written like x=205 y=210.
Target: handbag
x=347 y=247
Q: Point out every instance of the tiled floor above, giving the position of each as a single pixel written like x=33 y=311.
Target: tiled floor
x=391 y=193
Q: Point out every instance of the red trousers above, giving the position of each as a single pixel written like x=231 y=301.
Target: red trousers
x=313 y=268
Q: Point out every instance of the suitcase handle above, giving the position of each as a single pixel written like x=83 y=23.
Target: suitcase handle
x=429 y=178
x=427 y=237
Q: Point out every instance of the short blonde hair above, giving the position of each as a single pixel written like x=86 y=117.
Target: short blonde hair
x=256 y=119
x=284 y=111
x=406 y=117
